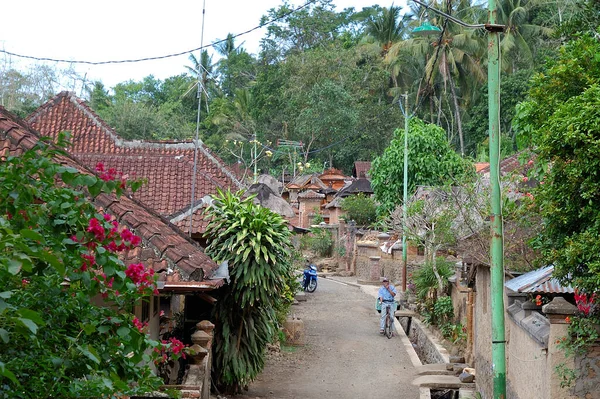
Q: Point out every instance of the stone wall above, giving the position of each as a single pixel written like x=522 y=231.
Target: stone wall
x=482 y=321
x=532 y=351
x=390 y=263
x=428 y=348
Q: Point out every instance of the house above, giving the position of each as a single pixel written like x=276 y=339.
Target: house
x=181 y=265
x=175 y=171
x=361 y=169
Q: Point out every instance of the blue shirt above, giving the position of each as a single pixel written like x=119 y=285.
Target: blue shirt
x=384 y=293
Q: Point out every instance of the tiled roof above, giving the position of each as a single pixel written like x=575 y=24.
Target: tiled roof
x=310 y=194
x=168 y=166
x=361 y=168
x=507 y=165
x=332 y=174
x=479 y=166
x=163 y=246
x=361 y=185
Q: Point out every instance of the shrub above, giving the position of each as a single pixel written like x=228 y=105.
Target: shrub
x=318 y=241
x=425 y=281
x=360 y=208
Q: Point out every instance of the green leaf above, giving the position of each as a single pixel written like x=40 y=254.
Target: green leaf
x=14 y=266
x=96 y=188
x=8 y=374
x=123 y=332
x=31 y=315
x=29 y=324
x=53 y=261
x=89 y=329
x=90 y=352
x=4 y=335
x=6 y=294
x=32 y=235
x=103 y=329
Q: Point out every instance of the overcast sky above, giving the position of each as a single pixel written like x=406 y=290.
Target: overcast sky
x=131 y=29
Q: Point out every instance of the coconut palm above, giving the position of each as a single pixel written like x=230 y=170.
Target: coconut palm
x=454 y=63
x=387 y=27
x=202 y=71
x=521 y=36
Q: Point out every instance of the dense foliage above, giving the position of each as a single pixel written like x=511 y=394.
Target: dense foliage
x=256 y=244
x=58 y=259
x=431 y=162
x=360 y=208
x=562 y=120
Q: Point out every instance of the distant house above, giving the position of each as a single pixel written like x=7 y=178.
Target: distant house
x=361 y=169
x=167 y=165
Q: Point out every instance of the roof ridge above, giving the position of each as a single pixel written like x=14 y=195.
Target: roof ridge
x=25 y=137
x=123 y=143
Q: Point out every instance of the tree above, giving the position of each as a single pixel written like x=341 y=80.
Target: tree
x=57 y=253
x=562 y=120
x=387 y=28
x=256 y=244
x=431 y=162
x=360 y=208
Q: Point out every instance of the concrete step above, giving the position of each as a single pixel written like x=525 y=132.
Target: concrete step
x=440 y=382
x=404 y=313
x=434 y=369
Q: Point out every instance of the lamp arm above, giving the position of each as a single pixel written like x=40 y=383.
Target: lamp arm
x=451 y=18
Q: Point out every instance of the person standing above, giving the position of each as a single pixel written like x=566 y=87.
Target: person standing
x=386 y=295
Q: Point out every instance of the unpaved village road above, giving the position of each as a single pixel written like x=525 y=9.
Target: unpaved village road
x=344 y=355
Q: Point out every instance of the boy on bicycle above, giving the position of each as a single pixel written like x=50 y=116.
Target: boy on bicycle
x=386 y=295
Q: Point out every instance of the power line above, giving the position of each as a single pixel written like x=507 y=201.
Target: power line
x=308 y=3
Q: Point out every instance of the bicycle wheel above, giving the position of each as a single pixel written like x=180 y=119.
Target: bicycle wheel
x=388 y=331
x=312 y=286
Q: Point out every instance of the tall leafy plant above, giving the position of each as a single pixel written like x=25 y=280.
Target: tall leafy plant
x=256 y=243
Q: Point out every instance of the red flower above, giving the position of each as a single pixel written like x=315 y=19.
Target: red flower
x=100 y=167
x=567 y=319
x=96 y=228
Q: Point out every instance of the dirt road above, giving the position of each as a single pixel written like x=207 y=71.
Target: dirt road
x=344 y=356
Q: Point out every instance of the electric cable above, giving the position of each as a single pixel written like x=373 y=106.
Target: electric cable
x=160 y=57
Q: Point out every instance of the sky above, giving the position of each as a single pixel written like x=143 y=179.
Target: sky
x=131 y=29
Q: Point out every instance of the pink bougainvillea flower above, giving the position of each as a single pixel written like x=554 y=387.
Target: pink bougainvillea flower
x=96 y=229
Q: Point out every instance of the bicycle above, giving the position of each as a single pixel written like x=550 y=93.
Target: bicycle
x=388 y=330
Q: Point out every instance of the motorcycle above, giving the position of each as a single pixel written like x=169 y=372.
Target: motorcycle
x=309 y=278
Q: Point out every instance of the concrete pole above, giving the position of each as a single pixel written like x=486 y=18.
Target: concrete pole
x=496 y=245
x=405 y=194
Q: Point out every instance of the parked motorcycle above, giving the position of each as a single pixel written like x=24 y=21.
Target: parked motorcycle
x=309 y=278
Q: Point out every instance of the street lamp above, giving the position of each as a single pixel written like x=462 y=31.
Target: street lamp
x=496 y=245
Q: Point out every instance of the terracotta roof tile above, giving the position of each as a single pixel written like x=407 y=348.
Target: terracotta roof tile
x=167 y=165
x=361 y=169
x=184 y=257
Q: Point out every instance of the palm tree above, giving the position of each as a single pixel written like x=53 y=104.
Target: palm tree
x=387 y=27
x=202 y=70
x=455 y=63
x=520 y=36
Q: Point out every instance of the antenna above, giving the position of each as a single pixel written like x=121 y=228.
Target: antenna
x=199 y=94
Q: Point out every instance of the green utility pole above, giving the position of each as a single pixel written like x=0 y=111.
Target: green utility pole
x=405 y=194
x=496 y=246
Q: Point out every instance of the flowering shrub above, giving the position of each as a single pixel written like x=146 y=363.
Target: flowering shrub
x=582 y=333
x=58 y=253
